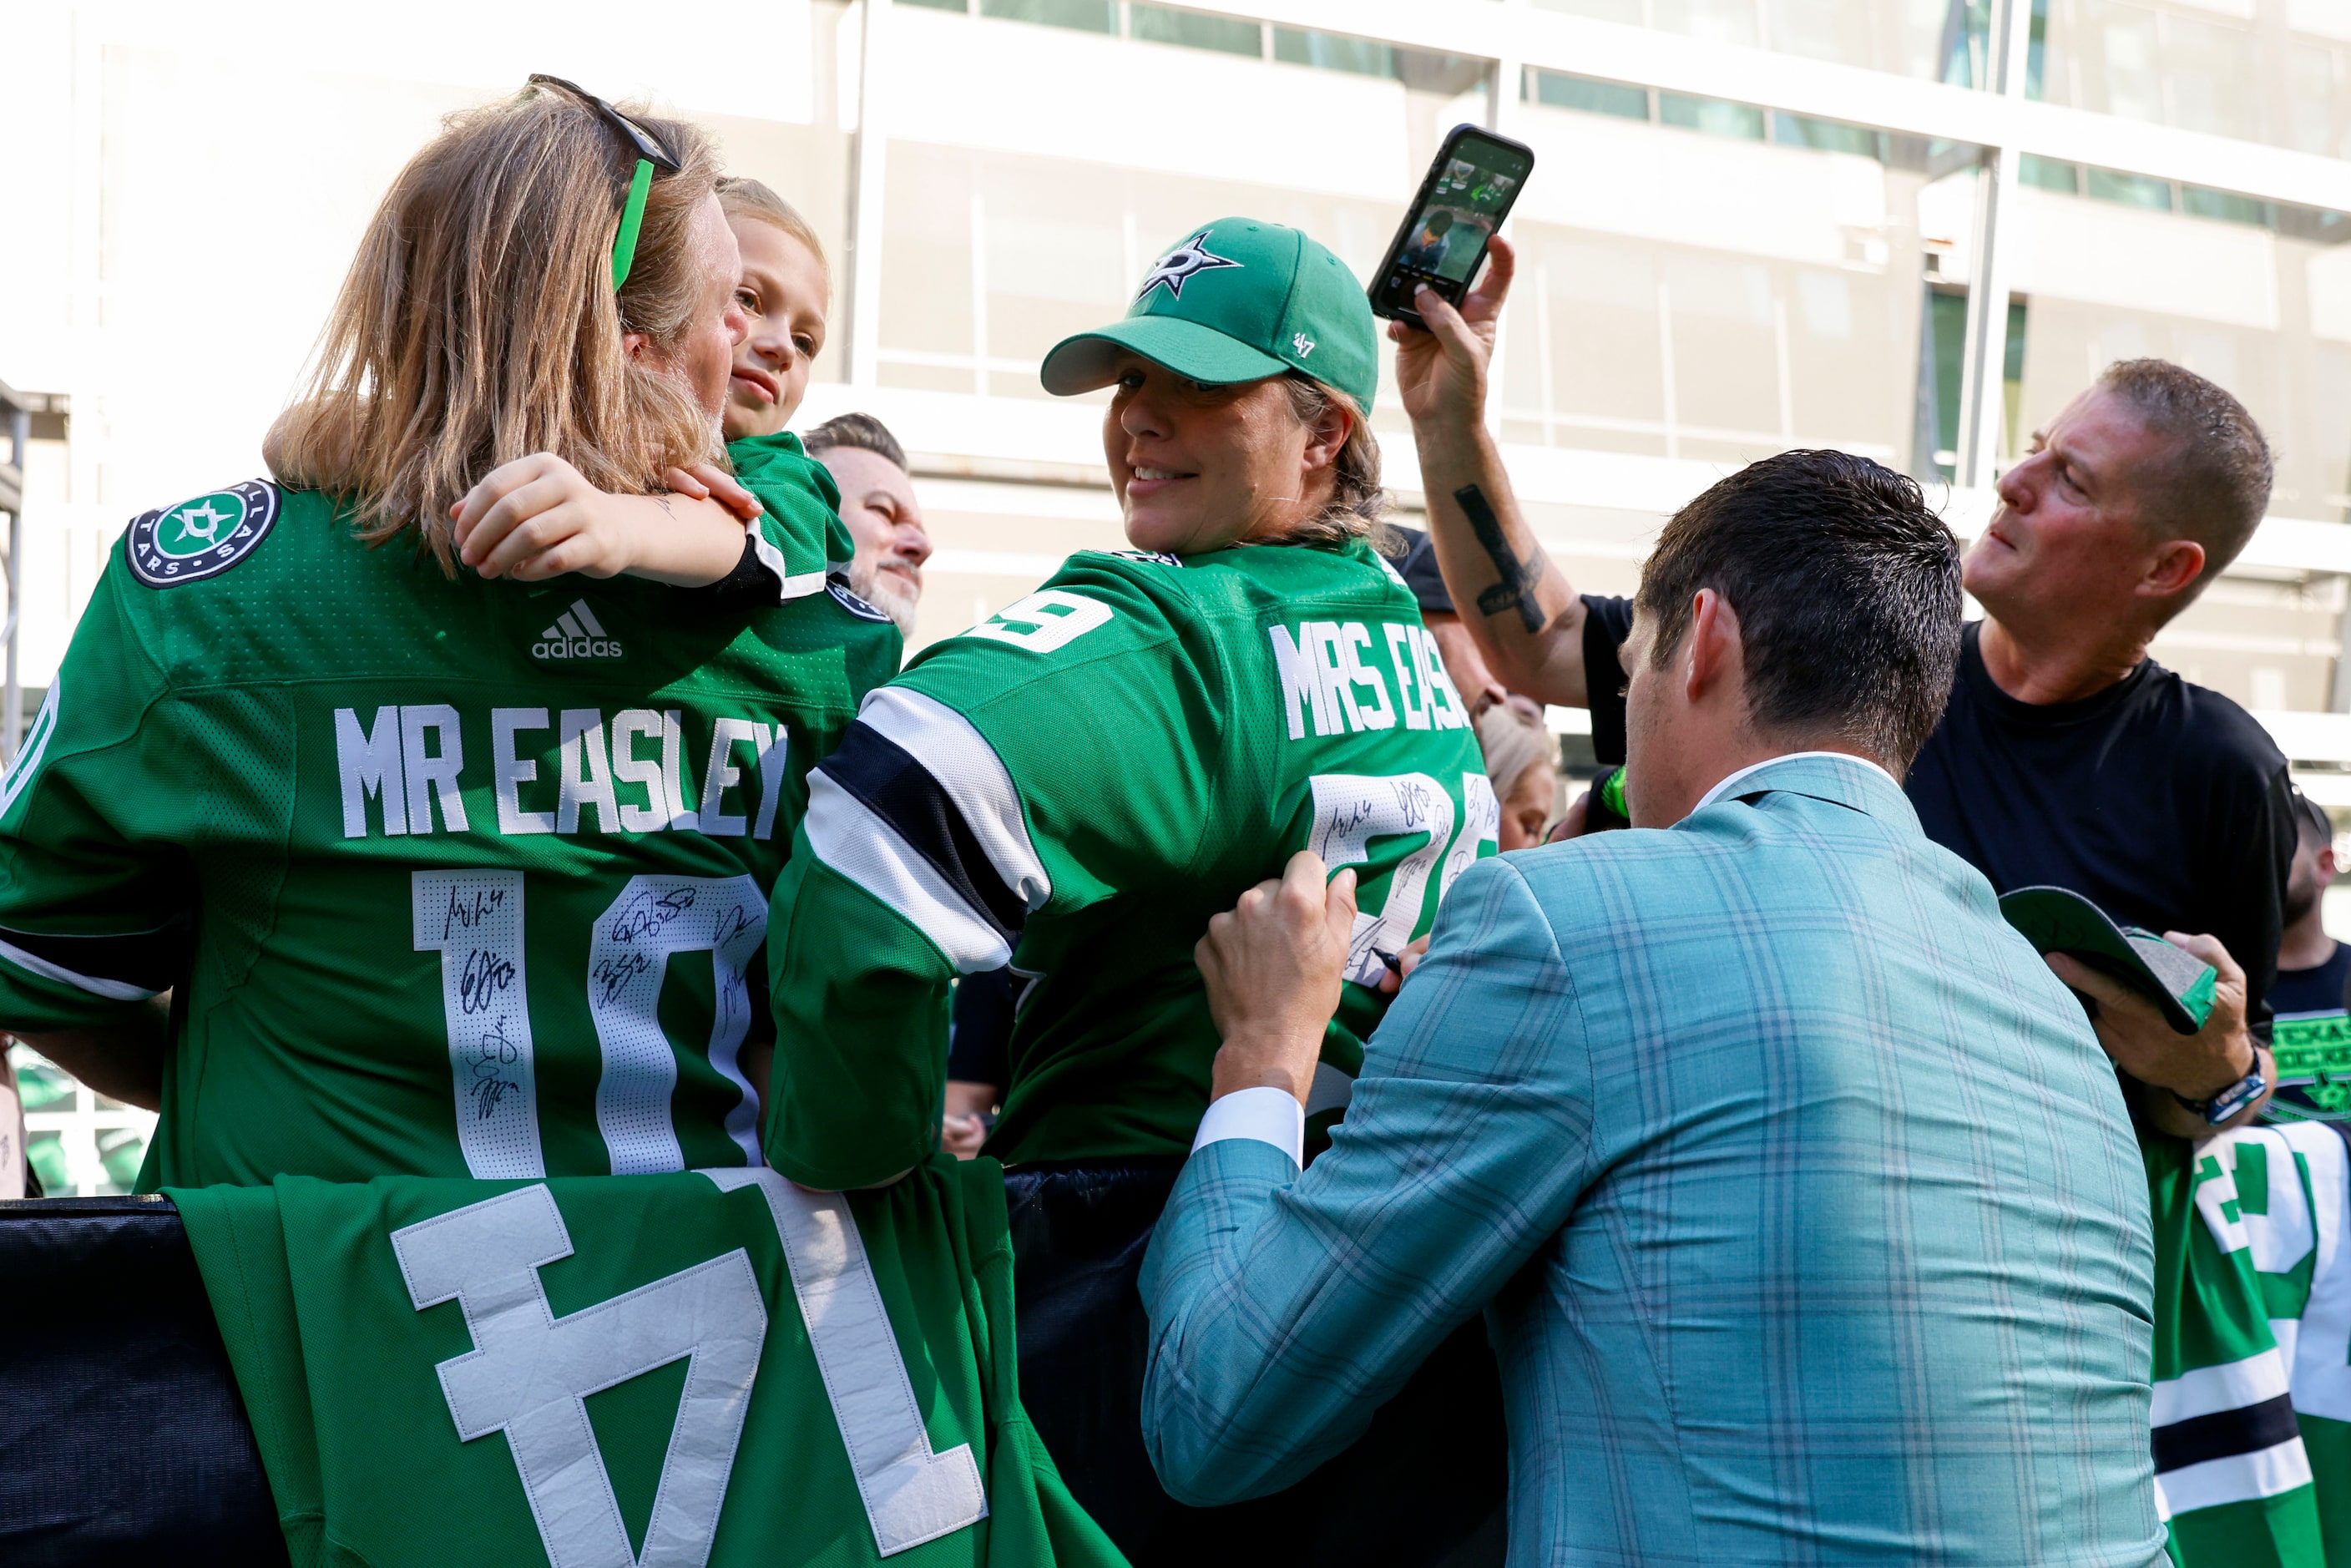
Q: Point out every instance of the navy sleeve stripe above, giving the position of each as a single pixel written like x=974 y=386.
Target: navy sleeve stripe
x=901 y=792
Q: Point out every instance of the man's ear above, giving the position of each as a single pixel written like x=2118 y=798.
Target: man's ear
x=2176 y=566
x=1711 y=652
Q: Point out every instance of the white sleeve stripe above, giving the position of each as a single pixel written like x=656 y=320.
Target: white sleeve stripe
x=787 y=586
x=969 y=769
x=112 y=991
x=2210 y=1389
x=2233 y=1477
x=848 y=837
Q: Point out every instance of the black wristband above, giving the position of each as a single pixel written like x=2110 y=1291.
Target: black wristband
x=749 y=583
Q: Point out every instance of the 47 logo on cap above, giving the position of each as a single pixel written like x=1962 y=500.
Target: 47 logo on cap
x=202 y=537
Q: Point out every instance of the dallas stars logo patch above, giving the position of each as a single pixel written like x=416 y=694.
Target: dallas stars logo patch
x=202 y=537
x=1179 y=266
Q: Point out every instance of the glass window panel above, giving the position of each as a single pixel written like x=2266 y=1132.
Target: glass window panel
x=2130 y=189
x=1195 y=29
x=45 y=1153
x=2312 y=72
x=1712 y=115
x=1931 y=39
x=2049 y=174
x=2208 y=69
x=1334 y=52
x=1828 y=135
x=1942 y=365
x=1592 y=97
x=41 y=1085
x=1627 y=10
x=120 y=1150
x=2187 y=63
x=2132 y=86
x=1836 y=30
x=1086 y=15
x=1725 y=21
x=2226 y=206
x=1716 y=299
x=926 y=255
x=938 y=4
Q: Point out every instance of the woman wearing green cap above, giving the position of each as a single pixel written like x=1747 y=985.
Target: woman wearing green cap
x=1074 y=787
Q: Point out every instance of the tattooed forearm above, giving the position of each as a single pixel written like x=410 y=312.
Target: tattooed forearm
x=1516 y=588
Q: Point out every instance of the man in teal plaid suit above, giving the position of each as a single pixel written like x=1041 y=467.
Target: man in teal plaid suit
x=1803 y=1207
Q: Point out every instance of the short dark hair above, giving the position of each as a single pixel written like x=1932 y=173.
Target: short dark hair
x=1847 y=592
x=861 y=430
x=2312 y=824
x=2212 y=485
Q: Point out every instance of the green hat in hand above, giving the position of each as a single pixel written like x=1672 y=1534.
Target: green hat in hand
x=1236 y=301
x=2059 y=920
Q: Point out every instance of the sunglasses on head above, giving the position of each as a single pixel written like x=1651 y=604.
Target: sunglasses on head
x=651 y=155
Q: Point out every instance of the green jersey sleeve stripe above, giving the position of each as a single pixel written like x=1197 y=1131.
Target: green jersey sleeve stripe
x=112 y=991
x=868 y=853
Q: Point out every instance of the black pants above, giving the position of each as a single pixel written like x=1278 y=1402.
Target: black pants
x=1426 y=1484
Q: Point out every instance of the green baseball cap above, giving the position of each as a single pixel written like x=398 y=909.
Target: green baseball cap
x=1236 y=301
x=2059 y=920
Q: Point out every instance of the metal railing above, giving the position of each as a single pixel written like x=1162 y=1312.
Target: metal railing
x=19 y=409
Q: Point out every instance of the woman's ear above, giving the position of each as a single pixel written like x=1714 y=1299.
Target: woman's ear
x=1327 y=436
x=633 y=344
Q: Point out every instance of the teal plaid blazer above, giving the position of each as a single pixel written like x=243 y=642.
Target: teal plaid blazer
x=1803 y=1207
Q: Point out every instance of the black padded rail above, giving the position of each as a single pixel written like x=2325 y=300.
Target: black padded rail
x=123 y=1439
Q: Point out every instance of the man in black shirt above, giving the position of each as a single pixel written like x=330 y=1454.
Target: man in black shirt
x=2066 y=756
x=2312 y=1037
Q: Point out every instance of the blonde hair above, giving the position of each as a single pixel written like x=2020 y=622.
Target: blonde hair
x=478 y=323
x=743 y=197
x=1357 y=501
x=1512 y=744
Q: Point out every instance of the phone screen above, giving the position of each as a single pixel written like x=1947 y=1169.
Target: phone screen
x=1467 y=193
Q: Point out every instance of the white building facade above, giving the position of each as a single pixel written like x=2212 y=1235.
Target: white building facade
x=1912 y=229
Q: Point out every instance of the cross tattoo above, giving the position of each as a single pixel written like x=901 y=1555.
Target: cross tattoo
x=1516 y=588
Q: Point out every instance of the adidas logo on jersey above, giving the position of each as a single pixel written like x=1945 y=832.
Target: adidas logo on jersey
x=576 y=634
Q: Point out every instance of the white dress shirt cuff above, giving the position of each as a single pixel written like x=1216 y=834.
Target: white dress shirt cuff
x=1270 y=1115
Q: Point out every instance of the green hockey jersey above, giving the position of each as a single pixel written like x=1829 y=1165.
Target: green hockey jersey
x=712 y=1367
x=1074 y=787
x=2252 y=1373
x=446 y=876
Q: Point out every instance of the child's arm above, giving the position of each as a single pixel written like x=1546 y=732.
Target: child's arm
x=539 y=517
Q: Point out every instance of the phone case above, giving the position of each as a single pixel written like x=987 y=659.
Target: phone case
x=1408 y=264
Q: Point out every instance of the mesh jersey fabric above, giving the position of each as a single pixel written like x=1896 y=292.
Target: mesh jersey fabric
x=706 y=1368
x=446 y=876
x=1074 y=787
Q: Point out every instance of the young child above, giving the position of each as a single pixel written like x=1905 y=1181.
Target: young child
x=787 y=288
x=784 y=296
